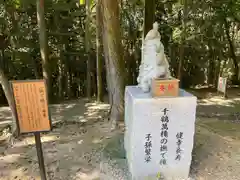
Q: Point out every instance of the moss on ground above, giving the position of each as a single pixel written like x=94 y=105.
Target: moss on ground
x=115 y=148
x=199 y=139
x=223 y=128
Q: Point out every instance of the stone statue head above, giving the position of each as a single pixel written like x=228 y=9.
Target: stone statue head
x=155 y=26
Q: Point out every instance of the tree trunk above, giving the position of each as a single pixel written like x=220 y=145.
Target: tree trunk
x=35 y=60
x=44 y=46
x=106 y=54
x=217 y=72
x=14 y=29
x=7 y=91
x=35 y=66
x=232 y=53
x=67 y=76
x=99 y=22
x=211 y=65
x=3 y=78
x=87 y=46
x=106 y=57
x=181 y=58
x=60 y=78
x=181 y=51
x=149 y=15
x=62 y=68
x=114 y=62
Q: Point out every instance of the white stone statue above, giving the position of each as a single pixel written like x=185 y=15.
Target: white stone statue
x=154 y=63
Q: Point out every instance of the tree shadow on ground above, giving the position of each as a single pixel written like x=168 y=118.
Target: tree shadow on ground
x=205 y=93
x=71 y=149
x=218 y=107
x=69 y=111
x=74 y=154
x=214 y=140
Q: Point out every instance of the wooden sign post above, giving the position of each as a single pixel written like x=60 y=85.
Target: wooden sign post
x=32 y=112
x=222 y=86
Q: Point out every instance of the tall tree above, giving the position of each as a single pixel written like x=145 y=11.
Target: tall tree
x=113 y=58
x=99 y=23
x=7 y=91
x=87 y=46
x=6 y=86
x=44 y=46
x=232 y=52
x=11 y=10
x=149 y=15
x=183 y=37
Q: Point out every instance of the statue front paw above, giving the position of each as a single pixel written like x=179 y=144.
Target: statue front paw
x=138 y=80
x=144 y=85
x=145 y=88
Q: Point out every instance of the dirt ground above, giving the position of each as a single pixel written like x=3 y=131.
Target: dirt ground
x=72 y=150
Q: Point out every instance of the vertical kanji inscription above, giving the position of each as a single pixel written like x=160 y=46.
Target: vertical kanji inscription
x=31 y=105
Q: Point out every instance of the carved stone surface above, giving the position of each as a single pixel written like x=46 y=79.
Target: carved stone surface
x=159 y=134
x=154 y=63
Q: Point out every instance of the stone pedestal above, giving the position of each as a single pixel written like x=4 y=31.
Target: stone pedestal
x=159 y=134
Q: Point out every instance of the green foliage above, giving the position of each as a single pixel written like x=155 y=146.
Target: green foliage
x=209 y=29
x=82 y=2
x=204 y=38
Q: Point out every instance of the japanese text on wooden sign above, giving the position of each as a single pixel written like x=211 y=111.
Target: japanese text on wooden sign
x=31 y=105
x=222 y=84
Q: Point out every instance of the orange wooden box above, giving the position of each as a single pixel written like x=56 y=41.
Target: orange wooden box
x=165 y=87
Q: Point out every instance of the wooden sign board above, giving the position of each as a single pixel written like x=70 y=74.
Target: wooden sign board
x=222 y=85
x=165 y=87
x=31 y=105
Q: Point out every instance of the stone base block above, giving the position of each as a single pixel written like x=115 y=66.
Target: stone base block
x=159 y=134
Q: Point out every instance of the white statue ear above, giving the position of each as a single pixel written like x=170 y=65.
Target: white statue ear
x=155 y=25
